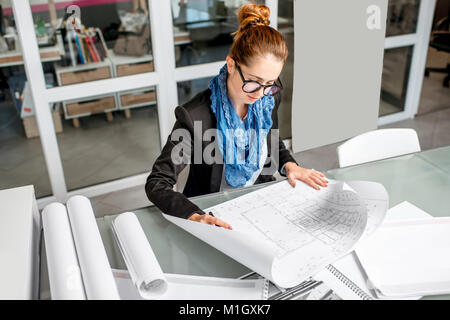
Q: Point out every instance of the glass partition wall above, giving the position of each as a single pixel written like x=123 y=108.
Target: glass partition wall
x=103 y=76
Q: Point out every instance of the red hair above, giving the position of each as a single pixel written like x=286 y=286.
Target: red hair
x=255 y=37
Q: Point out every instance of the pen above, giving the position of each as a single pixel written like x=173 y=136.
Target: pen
x=248 y=275
x=302 y=291
x=302 y=287
x=282 y=294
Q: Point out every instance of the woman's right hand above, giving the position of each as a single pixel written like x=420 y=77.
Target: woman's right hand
x=209 y=219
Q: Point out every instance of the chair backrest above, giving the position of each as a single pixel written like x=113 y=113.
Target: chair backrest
x=376 y=145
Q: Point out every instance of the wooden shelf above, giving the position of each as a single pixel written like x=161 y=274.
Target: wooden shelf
x=84 y=73
x=128 y=65
x=14 y=58
x=113 y=66
x=92 y=106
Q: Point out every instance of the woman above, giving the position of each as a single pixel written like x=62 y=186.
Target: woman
x=241 y=106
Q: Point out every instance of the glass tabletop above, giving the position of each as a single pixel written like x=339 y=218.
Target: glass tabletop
x=421 y=178
x=178 y=251
x=439 y=157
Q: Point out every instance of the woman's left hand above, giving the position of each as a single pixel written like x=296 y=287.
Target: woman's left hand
x=309 y=176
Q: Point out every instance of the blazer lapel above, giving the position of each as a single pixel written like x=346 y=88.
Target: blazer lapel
x=216 y=177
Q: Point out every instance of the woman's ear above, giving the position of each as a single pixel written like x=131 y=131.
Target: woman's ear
x=230 y=64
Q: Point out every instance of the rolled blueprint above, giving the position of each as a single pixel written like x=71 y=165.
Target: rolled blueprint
x=141 y=262
x=63 y=268
x=145 y=279
x=95 y=269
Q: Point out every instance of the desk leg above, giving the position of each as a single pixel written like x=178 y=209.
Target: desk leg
x=76 y=122
x=127 y=113
x=109 y=116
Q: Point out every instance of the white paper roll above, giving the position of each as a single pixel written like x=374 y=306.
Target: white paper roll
x=63 y=268
x=141 y=262
x=95 y=269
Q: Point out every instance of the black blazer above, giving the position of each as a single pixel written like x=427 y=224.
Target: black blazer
x=203 y=178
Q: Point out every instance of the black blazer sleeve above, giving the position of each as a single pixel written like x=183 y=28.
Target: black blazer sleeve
x=160 y=182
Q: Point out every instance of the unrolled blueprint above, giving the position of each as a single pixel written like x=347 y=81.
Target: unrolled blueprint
x=287 y=234
x=375 y=198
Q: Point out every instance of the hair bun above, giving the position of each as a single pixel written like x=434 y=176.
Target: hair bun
x=250 y=15
x=261 y=40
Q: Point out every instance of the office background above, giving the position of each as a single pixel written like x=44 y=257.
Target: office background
x=95 y=128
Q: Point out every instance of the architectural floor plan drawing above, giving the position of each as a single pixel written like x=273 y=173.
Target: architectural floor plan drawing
x=292 y=218
x=287 y=234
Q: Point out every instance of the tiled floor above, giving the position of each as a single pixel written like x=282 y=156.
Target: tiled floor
x=433 y=130
x=434 y=95
x=96 y=152
x=120 y=201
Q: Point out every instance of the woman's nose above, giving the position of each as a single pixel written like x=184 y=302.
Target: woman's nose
x=260 y=92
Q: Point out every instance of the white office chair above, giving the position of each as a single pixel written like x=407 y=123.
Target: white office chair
x=376 y=145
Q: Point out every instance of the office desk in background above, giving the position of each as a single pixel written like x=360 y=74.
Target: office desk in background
x=422 y=179
x=14 y=58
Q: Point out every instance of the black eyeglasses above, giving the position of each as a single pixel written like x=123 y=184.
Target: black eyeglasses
x=250 y=86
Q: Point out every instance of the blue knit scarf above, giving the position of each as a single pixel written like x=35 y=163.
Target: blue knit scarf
x=240 y=141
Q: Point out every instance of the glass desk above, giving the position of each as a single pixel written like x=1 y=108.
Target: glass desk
x=422 y=178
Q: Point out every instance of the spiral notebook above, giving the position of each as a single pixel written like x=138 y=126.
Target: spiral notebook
x=356 y=289
x=347 y=277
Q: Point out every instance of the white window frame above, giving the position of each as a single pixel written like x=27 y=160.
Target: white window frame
x=165 y=77
x=419 y=42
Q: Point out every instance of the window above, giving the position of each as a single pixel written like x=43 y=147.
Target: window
x=402 y=17
x=202 y=29
x=82 y=41
x=396 y=66
x=22 y=160
x=108 y=137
